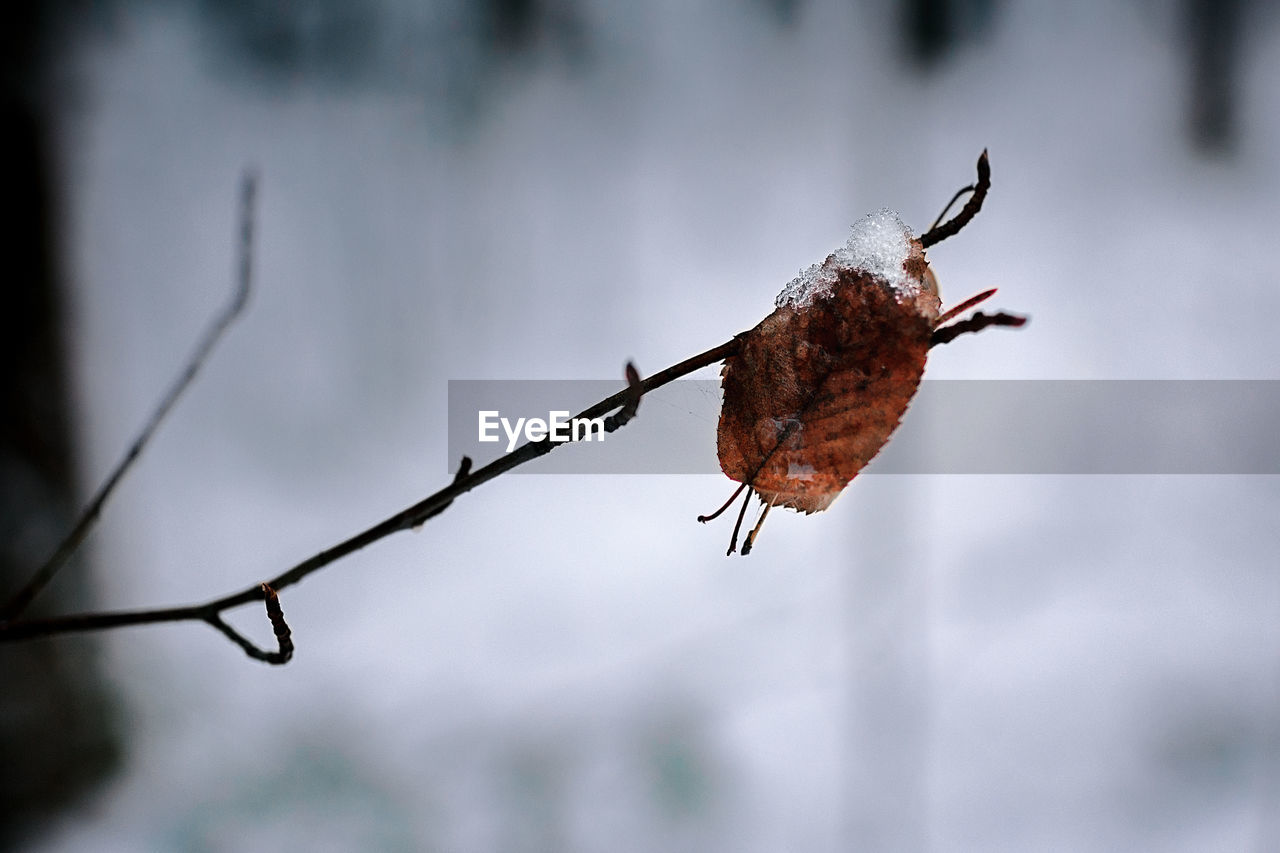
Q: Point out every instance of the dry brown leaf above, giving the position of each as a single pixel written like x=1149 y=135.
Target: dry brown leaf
x=817 y=388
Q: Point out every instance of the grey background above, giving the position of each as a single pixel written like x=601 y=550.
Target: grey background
x=571 y=663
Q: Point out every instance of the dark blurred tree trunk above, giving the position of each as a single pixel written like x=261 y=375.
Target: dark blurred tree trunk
x=929 y=29
x=1213 y=35
x=56 y=737
x=932 y=29
x=1214 y=29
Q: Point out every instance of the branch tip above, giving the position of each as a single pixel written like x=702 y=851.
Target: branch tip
x=284 y=637
x=951 y=227
x=631 y=400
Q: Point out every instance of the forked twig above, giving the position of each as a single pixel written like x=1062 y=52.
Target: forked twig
x=18 y=603
x=284 y=637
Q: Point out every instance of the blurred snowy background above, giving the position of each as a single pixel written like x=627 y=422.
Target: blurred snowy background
x=544 y=189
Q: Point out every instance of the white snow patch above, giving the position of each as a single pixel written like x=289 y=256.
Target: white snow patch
x=879 y=244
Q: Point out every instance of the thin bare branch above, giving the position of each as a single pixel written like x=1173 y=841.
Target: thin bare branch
x=466 y=480
x=217 y=328
x=464 y=468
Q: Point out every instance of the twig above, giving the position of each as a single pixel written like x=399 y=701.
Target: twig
x=407 y=519
x=628 y=411
x=976 y=323
x=938 y=233
x=955 y=198
x=742 y=513
x=284 y=637
x=703 y=519
x=221 y=322
x=464 y=468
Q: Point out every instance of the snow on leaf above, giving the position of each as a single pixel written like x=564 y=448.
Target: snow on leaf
x=879 y=244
